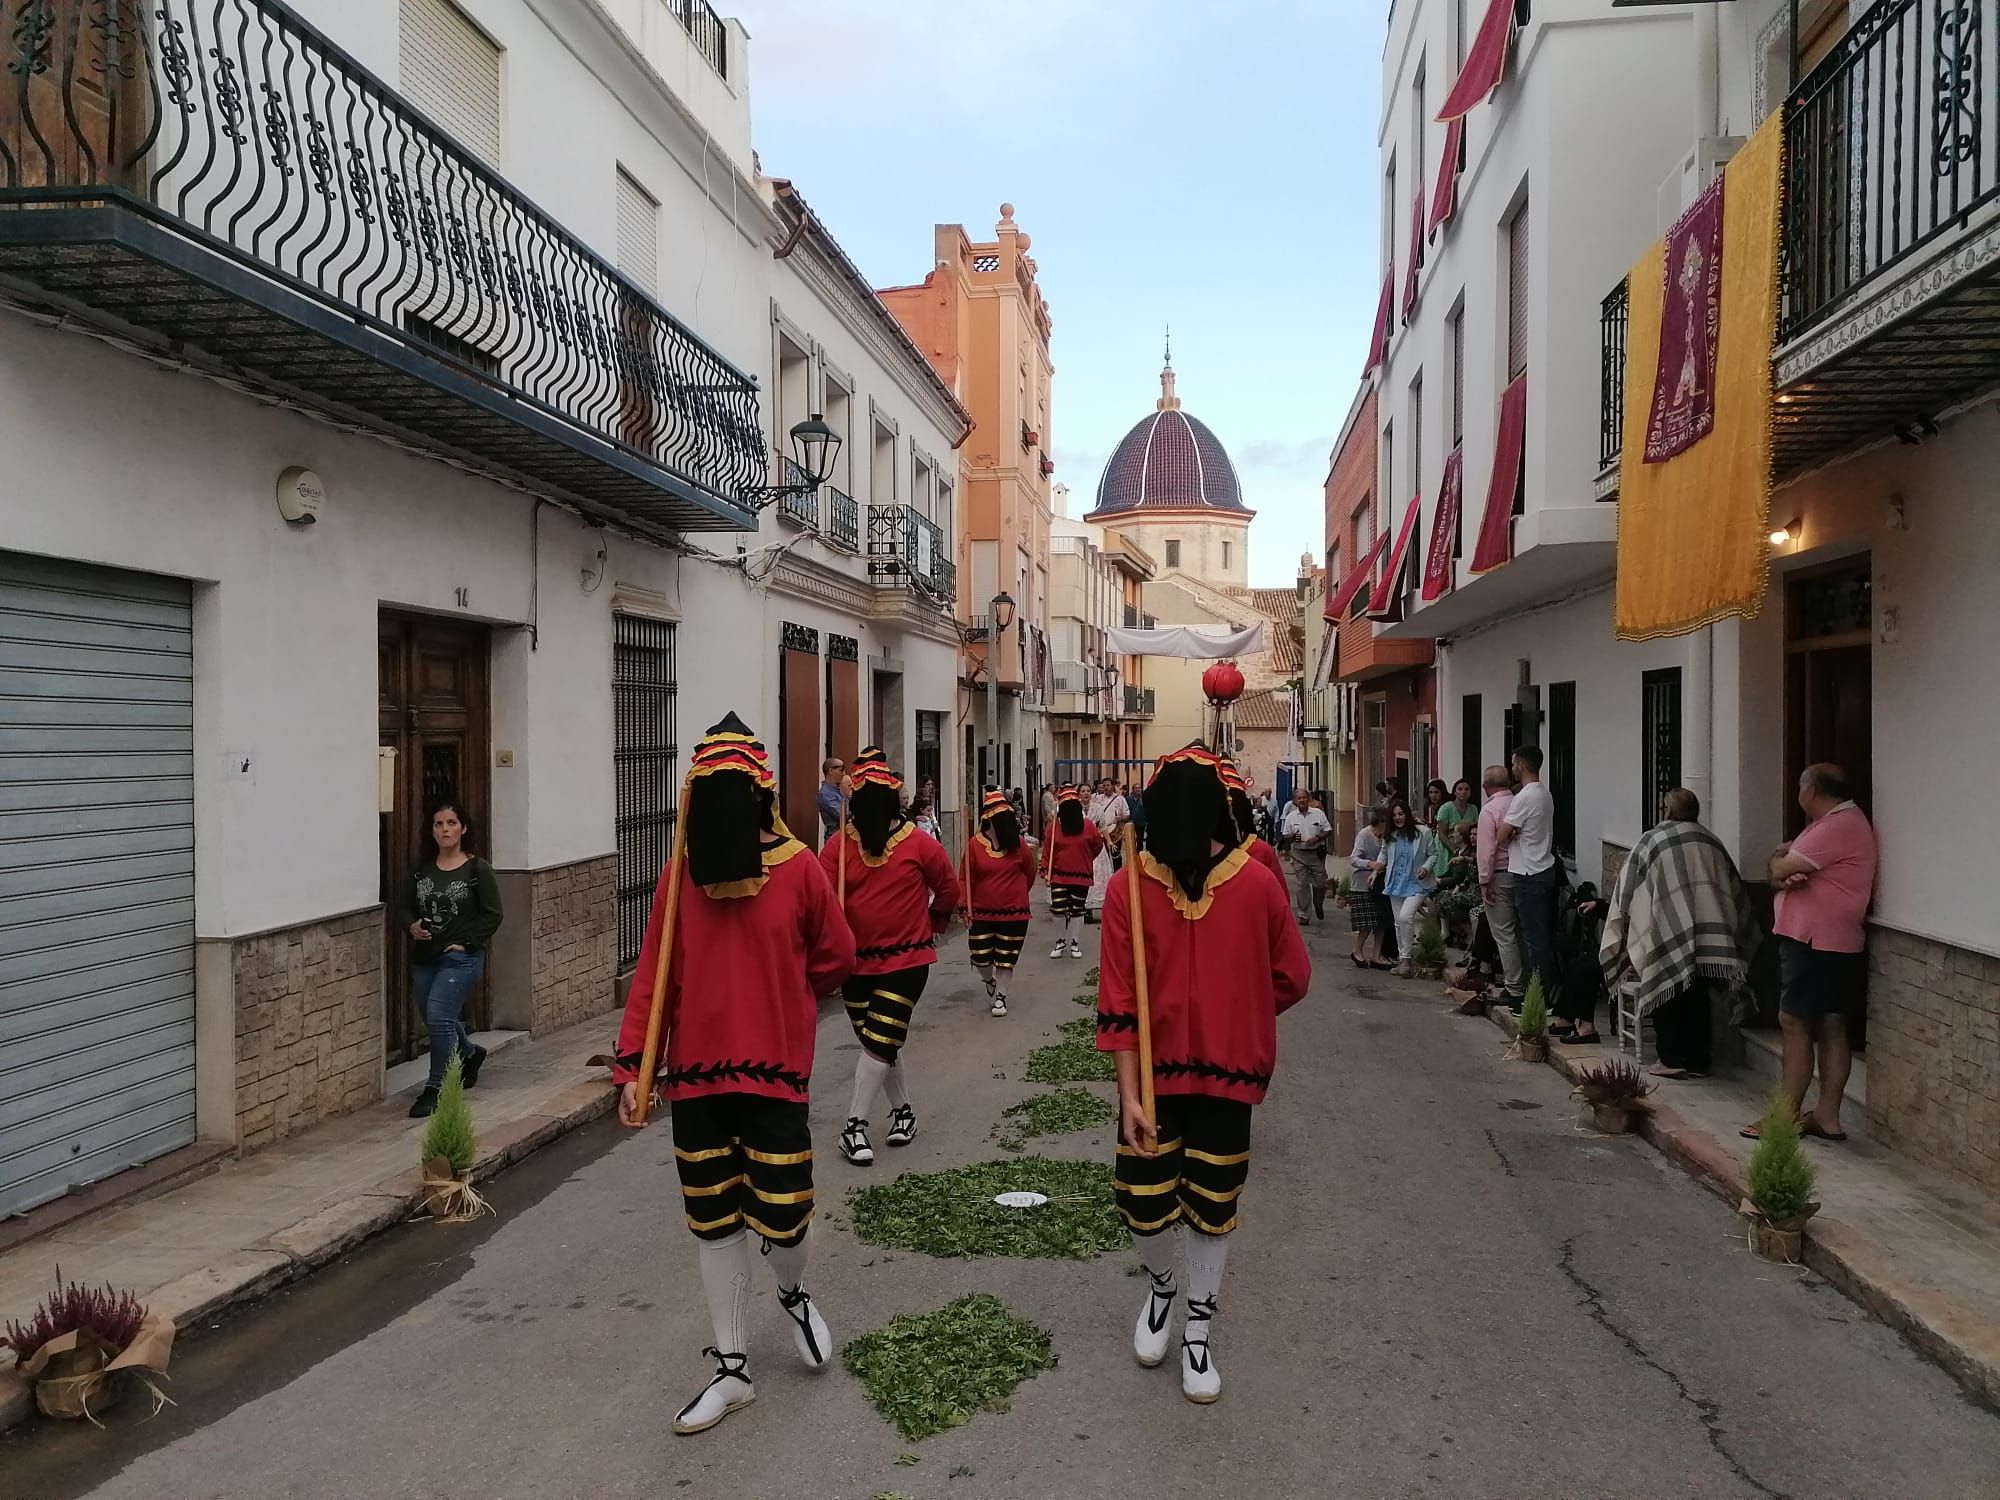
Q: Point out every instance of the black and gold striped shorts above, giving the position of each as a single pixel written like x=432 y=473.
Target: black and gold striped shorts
x=1198 y=1175
x=1067 y=900
x=879 y=1007
x=745 y=1161
x=996 y=945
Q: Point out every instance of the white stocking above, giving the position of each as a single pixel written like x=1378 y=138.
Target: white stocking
x=725 y=1278
x=870 y=1073
x=1160 y=1254
x=984 y=971
x=789 y=1262
x=1207 y=1255
x=896 y=1086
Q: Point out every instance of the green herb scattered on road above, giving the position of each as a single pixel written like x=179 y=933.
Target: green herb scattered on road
x=1090 y=975
x=1058 y=1113
x=930 y=1372
x=1071 y=1061
x=952 y=1213
x=1085 y=997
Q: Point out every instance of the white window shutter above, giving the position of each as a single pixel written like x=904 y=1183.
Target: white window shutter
x=638 y=234
x=450 y=70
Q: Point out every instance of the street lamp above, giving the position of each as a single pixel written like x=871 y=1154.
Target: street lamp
x=1111 y=687
x=1001 y=616
x=815 y=446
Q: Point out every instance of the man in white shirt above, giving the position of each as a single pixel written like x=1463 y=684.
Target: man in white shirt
x=1303 y=831
x=1109 y=810
x=1527 y=831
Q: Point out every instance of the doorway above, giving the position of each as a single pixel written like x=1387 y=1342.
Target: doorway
x=434 y=727
x=1828 y=702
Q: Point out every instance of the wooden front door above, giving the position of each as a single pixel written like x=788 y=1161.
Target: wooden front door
x=433 y=718
x=1829 y=711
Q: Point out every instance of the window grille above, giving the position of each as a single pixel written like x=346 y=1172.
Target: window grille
x=646 y=758
x=1660 y=742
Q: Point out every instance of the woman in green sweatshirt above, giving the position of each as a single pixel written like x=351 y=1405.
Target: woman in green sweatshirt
x=450 y=905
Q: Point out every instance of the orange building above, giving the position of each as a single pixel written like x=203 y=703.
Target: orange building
x=983 y=323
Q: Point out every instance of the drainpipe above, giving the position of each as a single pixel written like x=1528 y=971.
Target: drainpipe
x=1707 y=72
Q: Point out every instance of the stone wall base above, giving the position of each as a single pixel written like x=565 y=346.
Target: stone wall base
x=308 y=1011
x=573 y=933
x=1934 y=1052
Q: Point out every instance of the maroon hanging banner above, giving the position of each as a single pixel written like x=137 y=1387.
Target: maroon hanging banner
x=1444 y=529
x=1485 y=62
x=1337 y=605
x=1496 y=528
x=1378 y=345
x=1416 y=256
x=1690 y=327
x=1444 y=203
x=1387 y=599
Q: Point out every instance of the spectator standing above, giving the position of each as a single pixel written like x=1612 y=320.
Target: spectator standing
x=1367 y=907
x=1436 y=795
x=1496 y=882
x=1302 y=835
x=831 y=795
x=1679 y=925
x=1457 y=818
x=1825 y=879
x=1527 y=831
x=1136 y=806
x=450 y=905
x=1110 y=812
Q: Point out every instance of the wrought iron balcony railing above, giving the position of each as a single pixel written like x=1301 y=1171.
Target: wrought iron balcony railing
x=843 y=520
x=1892 y=142
x=217 y=177
x=906 y=549
x=1611 y=320
x=802 y=508
x=699 y=20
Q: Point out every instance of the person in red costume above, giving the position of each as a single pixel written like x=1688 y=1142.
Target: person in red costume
x=999 y=873
x=758 y=939
x=1223 y=961
x=1245 y=818
x=900 y=893
x=1069 y=852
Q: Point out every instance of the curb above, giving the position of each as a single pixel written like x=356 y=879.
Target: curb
x=323 y=1237
x=1967 y=1350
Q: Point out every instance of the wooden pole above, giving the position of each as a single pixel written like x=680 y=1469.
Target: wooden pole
x=1139 y=991
x=649 y=1058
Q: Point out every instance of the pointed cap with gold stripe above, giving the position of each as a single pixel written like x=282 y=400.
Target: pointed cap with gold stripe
x=871 y=768
x=1192 y=753
x=993 y=804
x=730 y=746
x=1068 y=794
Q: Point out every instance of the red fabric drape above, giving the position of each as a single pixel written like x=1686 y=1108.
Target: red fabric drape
x=1485 y=62
x=1378 y=345
x=1342 y=597
x=1444 y=529
x=1496 y=532
x=1385 y=600
x=1416 y=258
x=1444 y=202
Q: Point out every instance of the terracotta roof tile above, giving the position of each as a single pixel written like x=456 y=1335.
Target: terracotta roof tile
x=1264 y=709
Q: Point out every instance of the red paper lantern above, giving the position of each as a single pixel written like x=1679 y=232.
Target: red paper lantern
x=1222 y=683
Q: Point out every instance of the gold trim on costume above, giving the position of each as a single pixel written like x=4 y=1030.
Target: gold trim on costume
x=1216 y=1231
x=1146 y=1228
x=764 y=1231
x=776 y=1158
x=708 y=1155
x=1162 y=1149
x=801 y=1197
x=1229 y=1197
x=710 y=1192
x=1147 y=1189
x=1219 y=1161
x=777 y=854
x=1226 y=869
x=876 y=861
x=733 y=1217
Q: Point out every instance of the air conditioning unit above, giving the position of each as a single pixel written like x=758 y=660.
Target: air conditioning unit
x=1696 y=171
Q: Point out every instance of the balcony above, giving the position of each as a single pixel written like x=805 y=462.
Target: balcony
x=1612 y=317
x=843 y=520
x=704 y=27
x=218 y=182
x=801 y=509
x=1365 y=653
x=906 y=551
x=1076 y=690
x=1890 y=310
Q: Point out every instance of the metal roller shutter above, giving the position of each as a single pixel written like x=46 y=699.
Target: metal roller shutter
x=638 y=234
x=97 y=1051
x=450 y=70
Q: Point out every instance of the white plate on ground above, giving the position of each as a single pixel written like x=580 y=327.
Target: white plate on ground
x=1020 y=1200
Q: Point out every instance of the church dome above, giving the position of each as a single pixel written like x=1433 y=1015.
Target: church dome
x=1169 y=461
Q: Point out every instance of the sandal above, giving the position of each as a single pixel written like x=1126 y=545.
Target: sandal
x=1661 y=1070
x=1812 y=1127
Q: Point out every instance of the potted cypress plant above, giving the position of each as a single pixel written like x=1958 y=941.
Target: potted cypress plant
x=1615 y=1093
x=1531 y=1042
x=449 y=1149
x=1780 y=1179
x=80 y=1337
x=1427 y=951
x=1343 y=890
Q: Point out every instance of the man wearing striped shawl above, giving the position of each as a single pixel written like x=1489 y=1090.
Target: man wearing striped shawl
x=1680 y=920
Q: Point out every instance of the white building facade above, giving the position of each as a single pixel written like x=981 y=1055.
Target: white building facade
x=1862 y=652
x=374 y=444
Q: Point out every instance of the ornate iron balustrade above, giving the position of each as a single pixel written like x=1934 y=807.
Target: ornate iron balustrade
x=230 y=137
x=1891 y=142
x=699 y=20
x=906 y=548
x=1611 y=320
x=802 y=508
x=843 y=523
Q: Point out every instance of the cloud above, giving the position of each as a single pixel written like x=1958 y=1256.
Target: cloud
x=1283 y=453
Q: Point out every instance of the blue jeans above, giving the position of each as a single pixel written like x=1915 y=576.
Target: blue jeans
x=1535 y=911
x=440 y=989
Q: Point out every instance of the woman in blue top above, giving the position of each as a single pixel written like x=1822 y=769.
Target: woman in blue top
x=1407 y=880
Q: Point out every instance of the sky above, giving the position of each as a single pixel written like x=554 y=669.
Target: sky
x=1206 y=165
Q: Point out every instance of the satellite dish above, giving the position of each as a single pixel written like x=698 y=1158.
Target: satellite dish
x=1239 y=748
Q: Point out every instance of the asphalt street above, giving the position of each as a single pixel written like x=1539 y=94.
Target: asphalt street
x=1443 y=1287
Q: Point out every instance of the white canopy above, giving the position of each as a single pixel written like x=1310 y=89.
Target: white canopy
x=1192 y=642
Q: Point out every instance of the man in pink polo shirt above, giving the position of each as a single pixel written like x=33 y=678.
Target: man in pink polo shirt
x=1825 y=879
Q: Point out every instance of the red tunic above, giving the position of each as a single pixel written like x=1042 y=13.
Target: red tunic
x=1265 y=855
x=1219 y=972
x=997 y=883
x=744 y=982
x=1067 y=857
x=897 y=904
